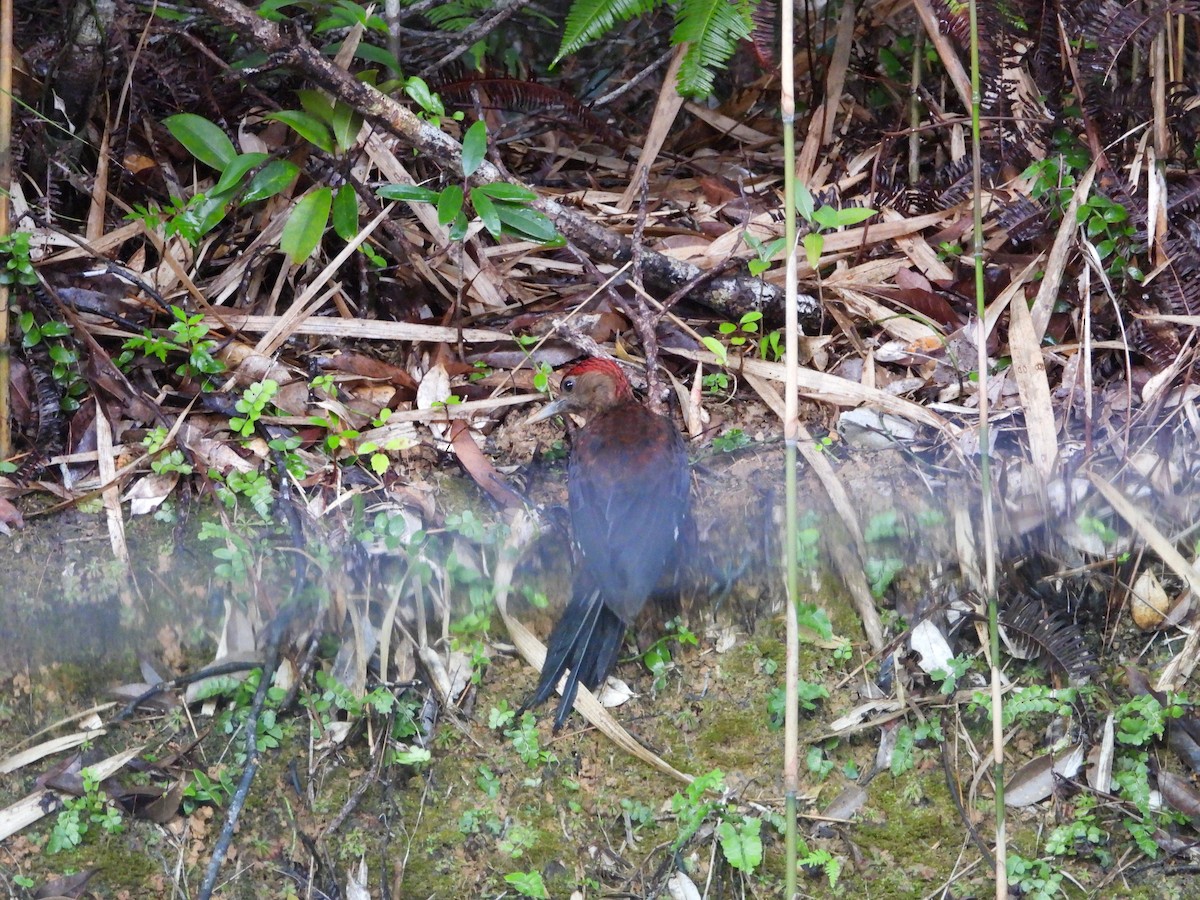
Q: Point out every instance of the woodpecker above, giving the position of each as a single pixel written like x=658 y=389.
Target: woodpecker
x=629 y=491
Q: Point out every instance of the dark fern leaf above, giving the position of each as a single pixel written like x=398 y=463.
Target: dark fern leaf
x=1023 y=219
x=531 y=97
x=765 y=37
x=1032 y=630
x=1176 y=291
x=1156 y=342
x=1185 y=198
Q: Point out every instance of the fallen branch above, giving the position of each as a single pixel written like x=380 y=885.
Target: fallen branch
x=728 y=296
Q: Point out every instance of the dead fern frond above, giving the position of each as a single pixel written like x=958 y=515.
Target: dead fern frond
x=1031 y=630
x=530 y=97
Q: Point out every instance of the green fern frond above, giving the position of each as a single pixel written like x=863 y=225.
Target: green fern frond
x=588 y=19
x=711 y=29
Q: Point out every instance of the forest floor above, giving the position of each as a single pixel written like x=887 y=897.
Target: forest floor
x=277 y=338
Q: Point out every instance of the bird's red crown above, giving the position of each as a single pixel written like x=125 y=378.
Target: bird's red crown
x=607 y=367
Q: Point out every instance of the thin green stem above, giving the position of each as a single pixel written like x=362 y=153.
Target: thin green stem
x=985 y=471
x=791 y=725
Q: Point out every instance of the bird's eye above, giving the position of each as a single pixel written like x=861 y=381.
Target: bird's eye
x=568 y=385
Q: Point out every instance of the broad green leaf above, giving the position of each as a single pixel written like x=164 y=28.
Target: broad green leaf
x=316 y=104
x=412 y=193
x=528 y=884
x=419 y=91
x=804 y=201
x=236 y=170
x=449 y=204
x=825 y=217
x=346 y=124
x=306 y=224
x=502 y=190
x=269 y=9
x=305 y=125
x=209 y=212
x=474 y=147
x=53 y=329
x=742 y=846
x=716 y=348
x=345 y=212
x=203 y=139
x=527 y=222
x=487 y=212
x=372 y=54
x=413 y=756
x=270 y=180
x=814 y=244
x=828 y=217
x=458 y=231
x=63 y=354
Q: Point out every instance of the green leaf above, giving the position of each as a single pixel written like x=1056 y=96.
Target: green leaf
x=852 y=215
x=203 y=139
x=372 y=54
x=345 y=212
x=527 y=884
x=270 y=180
x=419 y=91
x=346 y=124
x=474 y=148
x=411 y=193
x=449 y=204
x=458 y=231
x=308 y=127
x=62 y=354
x=209 y=212
x=269 y=9
x=588 y=19
x=236 y=170
x=814 y=244
x=487 y=213
x=413 y=756
x=527 y=222
x=502 y=190
x=742 y=846
x=54 y=329
x=711 y=29
x=716 y=348
x=804 y=201
x=306 y=224
x=825 y=217
x=316 y=104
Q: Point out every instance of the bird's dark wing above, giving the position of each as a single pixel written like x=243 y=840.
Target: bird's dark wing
x=629 y=487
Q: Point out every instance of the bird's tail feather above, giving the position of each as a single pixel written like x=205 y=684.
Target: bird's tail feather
x=586 y=641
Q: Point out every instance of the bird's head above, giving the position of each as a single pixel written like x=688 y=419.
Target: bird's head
x=589 y=387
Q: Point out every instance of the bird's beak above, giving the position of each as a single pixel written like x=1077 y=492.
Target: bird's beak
x=556 y=408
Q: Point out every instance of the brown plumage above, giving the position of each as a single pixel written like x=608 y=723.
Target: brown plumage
x=628 y=484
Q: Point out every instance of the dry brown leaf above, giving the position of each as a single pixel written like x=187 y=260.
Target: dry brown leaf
x=479 y=467
x=1029 y=370
x=1035 y=781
